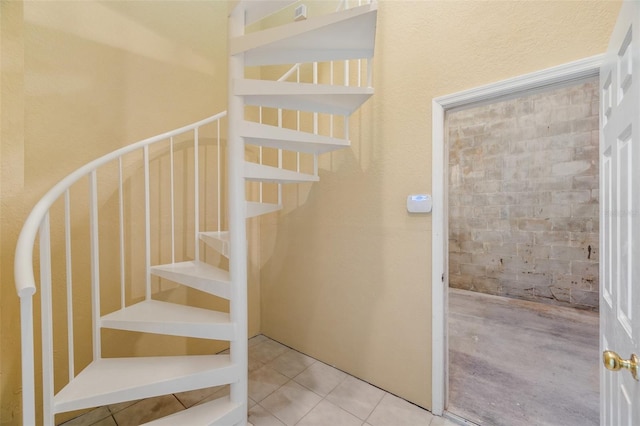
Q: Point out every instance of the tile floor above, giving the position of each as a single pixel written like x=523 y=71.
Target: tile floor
x=519 y=363
x=286 y=387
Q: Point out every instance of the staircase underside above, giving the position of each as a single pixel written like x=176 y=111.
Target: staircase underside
x=262 y=173
x=258 y=209
x=290 y=140
x=198 y=275
x=329 y=99
x=348 y=34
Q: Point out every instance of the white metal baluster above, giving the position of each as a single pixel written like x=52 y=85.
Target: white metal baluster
x=369 y=72
x=219 y=193
x=121 y=232
x=28 y=367
x=95 y=264
x=346 y=72
x=172 y=201
x=346 y=127
x=298 y=123
x=68 y=269
x=147 y=224
x=279 y=157
x=260 y=153
x=331 y=115
x=315 y=114
x=196 y=196
x=359 y=72
x=47 y=321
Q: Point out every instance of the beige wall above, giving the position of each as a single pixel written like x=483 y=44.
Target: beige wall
x=347 y=275
x=80 y=79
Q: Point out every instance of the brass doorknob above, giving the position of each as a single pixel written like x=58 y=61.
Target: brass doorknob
x=613 y=362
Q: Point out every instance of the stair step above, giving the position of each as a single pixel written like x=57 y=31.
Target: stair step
x=113 y=380
x=258 y=209
x=198 y=275
x=218 y=240
x=154 y=316
x=347 y=34
x=262 y=173
x=219 y=411
x=330 y=99
x=291 y=140
x=257 y=10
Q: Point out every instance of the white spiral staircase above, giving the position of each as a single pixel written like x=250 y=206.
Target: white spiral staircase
x=191 y=157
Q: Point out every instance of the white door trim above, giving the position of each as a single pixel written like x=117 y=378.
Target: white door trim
x=561 y=75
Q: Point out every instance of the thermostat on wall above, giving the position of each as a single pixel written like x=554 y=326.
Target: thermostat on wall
x=419 y=203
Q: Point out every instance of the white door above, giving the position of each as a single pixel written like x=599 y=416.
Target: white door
x=620 y=219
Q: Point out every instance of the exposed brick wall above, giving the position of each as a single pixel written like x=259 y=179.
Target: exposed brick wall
x=523 y=197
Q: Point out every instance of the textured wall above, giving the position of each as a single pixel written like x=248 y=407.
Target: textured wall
x=523 y=197
x=80 y=79
x=347 y=271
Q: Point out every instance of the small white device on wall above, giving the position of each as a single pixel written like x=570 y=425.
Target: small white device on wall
x=419 y=203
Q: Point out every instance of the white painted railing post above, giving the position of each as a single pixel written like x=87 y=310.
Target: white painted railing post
x=28 y=367
x=95 y=264
x=47 y=321
x=237 y=220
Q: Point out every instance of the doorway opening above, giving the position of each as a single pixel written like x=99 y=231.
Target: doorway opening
x=560 y=76
x=523 y=257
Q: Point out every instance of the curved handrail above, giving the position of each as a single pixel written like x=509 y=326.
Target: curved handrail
x=23 y=264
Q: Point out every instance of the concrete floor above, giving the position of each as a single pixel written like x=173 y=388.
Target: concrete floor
x=513 y=362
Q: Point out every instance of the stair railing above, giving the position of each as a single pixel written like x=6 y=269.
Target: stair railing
x=363 y=74
x=38 y=224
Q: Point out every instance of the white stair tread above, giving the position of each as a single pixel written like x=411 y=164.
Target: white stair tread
x=262 y=173
x=219 y=240
x=155 y=316
x=347 y=34
x=330 y=99
x=113 y=380
x=291 y=140
x=219 y=411
x=198 y=275
x=257 y=209
x=256 y=10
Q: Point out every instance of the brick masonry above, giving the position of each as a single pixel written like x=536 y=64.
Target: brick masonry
x=523 y=197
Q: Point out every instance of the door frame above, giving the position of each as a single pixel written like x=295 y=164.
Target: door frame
x=562 y=75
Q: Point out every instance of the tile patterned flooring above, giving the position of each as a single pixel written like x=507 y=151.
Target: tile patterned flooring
x=286 y=387
x=519 y=363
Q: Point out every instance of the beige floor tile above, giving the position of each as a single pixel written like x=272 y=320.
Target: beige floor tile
x=221 y=392
x=290 y=403
x=254 y=364
x=258 y=416
x=357 y=397
x=191 y=398
x=90 y=418
x=258 y=339
x=263 y=382
x=266 y=351
x=325 y=413
x=291 y=363
x=147 y=410
x=394 y=411
x=320 y=378
x=441 y=421
x=114 y=408
x=108 y=421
